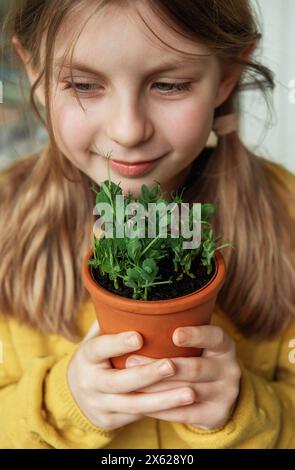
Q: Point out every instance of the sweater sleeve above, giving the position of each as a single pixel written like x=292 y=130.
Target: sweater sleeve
x=264 y=416
x=37 y=408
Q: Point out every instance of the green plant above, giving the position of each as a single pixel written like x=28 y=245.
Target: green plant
x=135 y=259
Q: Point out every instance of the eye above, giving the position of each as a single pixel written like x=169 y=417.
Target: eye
x=80 y=87
x=173 y=88
x=186 y=86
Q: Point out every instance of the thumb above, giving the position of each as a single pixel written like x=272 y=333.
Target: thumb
x=93 y=331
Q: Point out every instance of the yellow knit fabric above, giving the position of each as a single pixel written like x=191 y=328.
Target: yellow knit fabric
x=38 y=411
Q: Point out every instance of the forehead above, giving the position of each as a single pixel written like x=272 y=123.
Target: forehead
x=119 y=34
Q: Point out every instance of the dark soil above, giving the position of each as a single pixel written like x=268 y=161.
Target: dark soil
x=179 y=288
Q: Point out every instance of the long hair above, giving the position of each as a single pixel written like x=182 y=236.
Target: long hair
x=45 y=230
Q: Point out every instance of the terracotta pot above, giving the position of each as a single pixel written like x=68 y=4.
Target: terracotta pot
x=155 y=320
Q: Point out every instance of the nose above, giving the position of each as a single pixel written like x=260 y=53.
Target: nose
x=128 y=125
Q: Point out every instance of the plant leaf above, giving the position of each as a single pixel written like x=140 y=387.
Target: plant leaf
x=207 y=210
x=134 y=248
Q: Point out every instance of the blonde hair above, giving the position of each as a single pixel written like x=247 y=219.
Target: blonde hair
x=45 y=230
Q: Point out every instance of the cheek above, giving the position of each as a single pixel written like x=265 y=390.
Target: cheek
x=72 y=130
x=191 y=122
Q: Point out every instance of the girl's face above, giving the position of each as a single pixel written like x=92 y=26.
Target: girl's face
x=142 y=101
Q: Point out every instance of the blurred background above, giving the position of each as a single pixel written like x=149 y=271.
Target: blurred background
x=20 y=132
x=267 y=135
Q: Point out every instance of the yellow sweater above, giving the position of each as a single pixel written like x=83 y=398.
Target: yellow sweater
x=37 y=409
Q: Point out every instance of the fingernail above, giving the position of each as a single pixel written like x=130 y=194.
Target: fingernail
x=181 y=336
x=133 y=341
x=165 y=368
x=186 y=397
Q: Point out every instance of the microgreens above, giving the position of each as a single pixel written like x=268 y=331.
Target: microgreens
x=135 y=259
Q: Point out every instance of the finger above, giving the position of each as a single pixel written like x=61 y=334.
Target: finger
x=129 y=380
x=164 y=385
x=210 y=392
x=202 y=415
x=190 y=369
x=136 y=360
x=105 y=346
x=147 y=402
x=122 y=419
x=178 y=414
x=209 y=337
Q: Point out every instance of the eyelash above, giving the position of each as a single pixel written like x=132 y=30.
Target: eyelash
x=182 y=87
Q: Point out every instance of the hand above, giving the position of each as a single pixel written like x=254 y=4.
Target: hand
x=108 y=397
x=214 y=377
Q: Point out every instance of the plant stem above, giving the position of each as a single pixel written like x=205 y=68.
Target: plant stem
x=155 y=283
x=109 y=180
x=150 y=244
x=224 y=246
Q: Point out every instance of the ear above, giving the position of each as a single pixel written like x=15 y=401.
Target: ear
x=231 y=76
x=32 y=75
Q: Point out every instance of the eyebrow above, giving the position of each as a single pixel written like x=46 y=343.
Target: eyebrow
x=164 y=67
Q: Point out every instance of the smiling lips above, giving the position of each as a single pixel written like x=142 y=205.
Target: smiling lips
x=133 y=169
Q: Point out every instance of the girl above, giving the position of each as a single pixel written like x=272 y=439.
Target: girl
x=96 y=94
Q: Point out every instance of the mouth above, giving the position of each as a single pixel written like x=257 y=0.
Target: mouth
x=134 y=169
x=139 y=162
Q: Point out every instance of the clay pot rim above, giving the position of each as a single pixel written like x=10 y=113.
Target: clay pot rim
x=156 y=307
